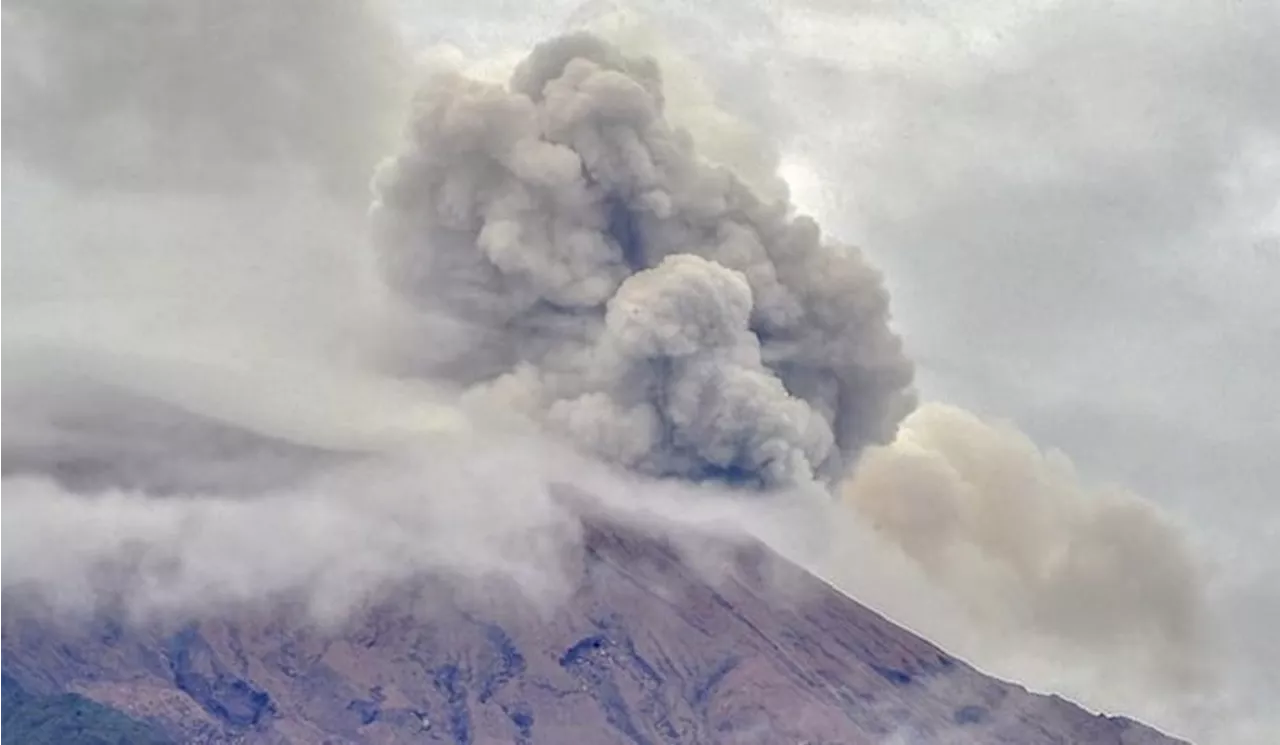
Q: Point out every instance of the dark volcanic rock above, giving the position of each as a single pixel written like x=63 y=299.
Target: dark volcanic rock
x=646 y=651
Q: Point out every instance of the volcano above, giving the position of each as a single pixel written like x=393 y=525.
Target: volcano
x=648 y=649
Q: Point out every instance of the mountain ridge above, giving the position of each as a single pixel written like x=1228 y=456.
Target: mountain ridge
x=646 y=649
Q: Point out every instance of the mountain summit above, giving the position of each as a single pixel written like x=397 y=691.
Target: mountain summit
x=649 y=648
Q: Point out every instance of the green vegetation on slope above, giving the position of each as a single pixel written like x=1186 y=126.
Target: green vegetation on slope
x=69 y=719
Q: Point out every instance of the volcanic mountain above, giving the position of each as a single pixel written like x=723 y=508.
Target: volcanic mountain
x=647 y=649
x=552 y=249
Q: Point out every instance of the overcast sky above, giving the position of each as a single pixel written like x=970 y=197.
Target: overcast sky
x=1076 y=207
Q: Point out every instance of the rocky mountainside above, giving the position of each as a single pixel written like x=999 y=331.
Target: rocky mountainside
x=648 y=650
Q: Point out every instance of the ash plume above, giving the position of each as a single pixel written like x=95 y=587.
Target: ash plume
x=1014 y=533
x=644 y=303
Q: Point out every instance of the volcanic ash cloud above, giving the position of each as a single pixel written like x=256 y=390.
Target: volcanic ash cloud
x=626 y=293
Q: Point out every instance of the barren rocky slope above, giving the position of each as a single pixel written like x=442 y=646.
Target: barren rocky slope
x=646 y=651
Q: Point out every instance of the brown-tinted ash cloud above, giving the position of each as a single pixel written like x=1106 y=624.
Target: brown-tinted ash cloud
x=650 y=306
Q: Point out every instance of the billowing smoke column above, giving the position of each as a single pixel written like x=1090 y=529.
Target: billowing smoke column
x=642 y=302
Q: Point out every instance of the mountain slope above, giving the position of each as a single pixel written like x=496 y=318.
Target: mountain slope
x=647 y=650
x=69 y=719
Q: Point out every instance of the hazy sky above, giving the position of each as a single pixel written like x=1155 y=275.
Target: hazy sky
x=1077 y=208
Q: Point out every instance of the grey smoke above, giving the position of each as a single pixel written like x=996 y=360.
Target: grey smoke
x=653 y=307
